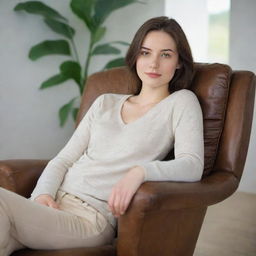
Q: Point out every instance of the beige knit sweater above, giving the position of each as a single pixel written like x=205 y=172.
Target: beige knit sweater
x=103 y=148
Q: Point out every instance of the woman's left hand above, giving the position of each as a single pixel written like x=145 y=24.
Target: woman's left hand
x=124 y=190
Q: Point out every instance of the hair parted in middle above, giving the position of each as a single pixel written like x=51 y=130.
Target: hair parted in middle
x=183 y=75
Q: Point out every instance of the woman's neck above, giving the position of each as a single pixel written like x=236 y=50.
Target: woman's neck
x=147 y=97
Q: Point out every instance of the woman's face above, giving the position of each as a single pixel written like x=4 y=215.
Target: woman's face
x=158 y=59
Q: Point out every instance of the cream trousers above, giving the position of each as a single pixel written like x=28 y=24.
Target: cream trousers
x=26 y=223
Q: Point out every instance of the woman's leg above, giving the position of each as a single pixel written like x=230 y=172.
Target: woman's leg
x=8 y=244
x=41 y=227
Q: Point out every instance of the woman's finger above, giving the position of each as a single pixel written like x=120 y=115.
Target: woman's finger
x=53 y=204
x=116 y=203
x=111 y=201
x=123 y=202
x=126 y=202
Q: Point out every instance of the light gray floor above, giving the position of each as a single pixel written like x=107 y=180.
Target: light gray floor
x=229 y=228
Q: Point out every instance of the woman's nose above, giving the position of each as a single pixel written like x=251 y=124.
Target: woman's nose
x=154 y=63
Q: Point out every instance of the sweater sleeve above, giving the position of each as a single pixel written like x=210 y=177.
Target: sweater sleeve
x=54 y=172
x=187 y=124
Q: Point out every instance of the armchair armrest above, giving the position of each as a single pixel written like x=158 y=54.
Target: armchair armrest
x=177 y=195
x=21 y=175
x=158 y=212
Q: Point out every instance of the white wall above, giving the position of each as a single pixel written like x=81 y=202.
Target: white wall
x=243 y=56
x=29 y=122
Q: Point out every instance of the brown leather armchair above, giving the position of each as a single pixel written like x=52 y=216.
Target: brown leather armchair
x=165 y=218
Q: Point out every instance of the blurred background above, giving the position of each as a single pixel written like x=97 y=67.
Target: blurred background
x=218 y=31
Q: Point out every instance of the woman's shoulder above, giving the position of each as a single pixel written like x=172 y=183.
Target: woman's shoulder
x=184 y=94
x=185 y=97
x=109 y=100
x=186 y=100
x=110 y=97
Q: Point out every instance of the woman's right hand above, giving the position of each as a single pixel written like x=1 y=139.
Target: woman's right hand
x=47 y=200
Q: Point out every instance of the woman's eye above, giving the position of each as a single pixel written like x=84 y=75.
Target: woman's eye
x=144 y=53
x=165 y=55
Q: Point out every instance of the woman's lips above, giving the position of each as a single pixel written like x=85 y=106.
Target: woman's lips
x=153 y=75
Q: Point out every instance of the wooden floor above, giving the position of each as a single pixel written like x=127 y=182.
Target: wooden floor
x=229 y=228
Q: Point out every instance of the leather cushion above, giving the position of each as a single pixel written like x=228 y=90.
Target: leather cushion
x=211 y=85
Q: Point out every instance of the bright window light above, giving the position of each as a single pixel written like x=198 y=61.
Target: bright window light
x=218 y=32
x=217 y=6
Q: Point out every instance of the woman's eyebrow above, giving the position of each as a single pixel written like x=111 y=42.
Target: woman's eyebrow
x=143 y=47
x=163 y=50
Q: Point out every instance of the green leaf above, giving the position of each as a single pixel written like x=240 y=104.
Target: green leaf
x=84 y=10
x=48 y=48
x=68 y=70
x=98 y=34
x=115 y=63
x=54 y=80
x=37 y=7
x=64 y=112
x=74 y=113
x=103 y=8
x=105 y=49
x=60 y=27
x=71 y=70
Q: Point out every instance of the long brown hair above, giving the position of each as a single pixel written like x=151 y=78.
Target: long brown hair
x=183 y=75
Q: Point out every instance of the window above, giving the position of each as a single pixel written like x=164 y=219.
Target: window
x=206 y=24
x=218 y=30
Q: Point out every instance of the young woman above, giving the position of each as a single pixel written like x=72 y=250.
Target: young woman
x=117 y=146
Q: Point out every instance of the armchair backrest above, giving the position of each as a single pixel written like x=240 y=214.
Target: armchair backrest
x=227 y=101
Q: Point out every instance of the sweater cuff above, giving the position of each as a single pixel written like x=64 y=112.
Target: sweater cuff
x=39 y=192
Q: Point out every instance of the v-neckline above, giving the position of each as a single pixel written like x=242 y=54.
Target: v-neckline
x=120 y=107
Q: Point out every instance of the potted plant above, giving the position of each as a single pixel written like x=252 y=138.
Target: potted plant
x=93 y=13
